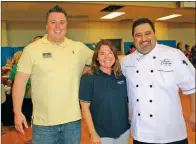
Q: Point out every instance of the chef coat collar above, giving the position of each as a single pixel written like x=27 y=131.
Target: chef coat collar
x=140 y=56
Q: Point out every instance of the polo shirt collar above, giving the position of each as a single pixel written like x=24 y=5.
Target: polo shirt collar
x=64 y=44
x=100 y=72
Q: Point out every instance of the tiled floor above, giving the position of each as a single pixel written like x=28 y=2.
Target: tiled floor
x=12 y=137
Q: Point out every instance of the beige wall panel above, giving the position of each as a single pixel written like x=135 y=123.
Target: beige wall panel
x=161 y=30
x=184 y=33
x=4 y=34
x=22 y=33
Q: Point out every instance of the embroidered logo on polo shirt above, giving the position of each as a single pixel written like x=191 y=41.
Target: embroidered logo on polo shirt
x=120 y=82
x=47 y=55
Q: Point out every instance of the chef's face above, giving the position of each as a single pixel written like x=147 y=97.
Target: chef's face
x=144 y=38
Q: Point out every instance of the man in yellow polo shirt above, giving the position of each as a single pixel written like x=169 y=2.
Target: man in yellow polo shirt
x=54 y=64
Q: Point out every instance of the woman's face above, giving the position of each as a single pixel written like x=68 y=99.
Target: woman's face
x=180 y=45
x=105 y=57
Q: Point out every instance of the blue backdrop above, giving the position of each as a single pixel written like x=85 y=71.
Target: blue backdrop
x=8 y=52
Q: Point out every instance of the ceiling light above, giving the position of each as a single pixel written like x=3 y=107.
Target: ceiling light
x=169 y=17
x=112 y=15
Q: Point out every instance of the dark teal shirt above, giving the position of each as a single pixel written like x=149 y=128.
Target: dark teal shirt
x=109 y=105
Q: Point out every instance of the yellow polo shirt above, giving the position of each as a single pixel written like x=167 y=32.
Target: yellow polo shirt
x=55 y=76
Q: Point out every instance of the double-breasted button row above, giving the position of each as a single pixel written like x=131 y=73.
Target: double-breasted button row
x=149 y=115
x=149 y=100
x=137 y=71
x=138 y=86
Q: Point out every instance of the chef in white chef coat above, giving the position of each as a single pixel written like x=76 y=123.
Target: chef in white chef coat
x=154 y=73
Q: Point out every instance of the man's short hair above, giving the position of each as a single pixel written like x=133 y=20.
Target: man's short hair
x=142 y=21
x=132 y=46
x=56 y=8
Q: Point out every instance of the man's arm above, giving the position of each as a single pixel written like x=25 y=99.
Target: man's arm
x=18 y=92
x=192 y=121
x=192 y=103
x=86 y=69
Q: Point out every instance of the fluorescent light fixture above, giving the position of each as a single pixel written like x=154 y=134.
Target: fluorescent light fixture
x=169 y=17
x=112 y=15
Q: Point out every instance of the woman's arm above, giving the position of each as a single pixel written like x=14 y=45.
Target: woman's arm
x=87 y=116
x=89 y=122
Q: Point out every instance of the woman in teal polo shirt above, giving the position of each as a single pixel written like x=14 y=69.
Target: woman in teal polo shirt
x=103 y=97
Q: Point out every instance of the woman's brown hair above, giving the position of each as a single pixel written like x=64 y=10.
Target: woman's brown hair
x=95 y=63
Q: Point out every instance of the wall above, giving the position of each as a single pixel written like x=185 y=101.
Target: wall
x=184 y=33
x=3 y=34
x=22 y=33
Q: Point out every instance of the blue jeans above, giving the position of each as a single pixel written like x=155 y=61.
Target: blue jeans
x=68 y=133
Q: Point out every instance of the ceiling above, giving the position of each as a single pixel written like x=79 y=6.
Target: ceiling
x=91 y=11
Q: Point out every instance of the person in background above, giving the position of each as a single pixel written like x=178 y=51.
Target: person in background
x=193 y=55
x=27 y=106
x=187 y=51
x=103 y=97
x=37 y=38
x=131 y=49
x=54 y=64
x=179 y=46
x=154 y=73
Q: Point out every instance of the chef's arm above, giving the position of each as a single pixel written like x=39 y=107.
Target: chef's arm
x=192 y=103
x=129 y=113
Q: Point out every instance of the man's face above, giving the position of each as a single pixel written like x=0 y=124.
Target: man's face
x=144 y=38
x=56 y=27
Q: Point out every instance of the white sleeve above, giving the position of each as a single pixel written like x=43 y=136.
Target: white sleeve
x=122 y=66
x=185 y=74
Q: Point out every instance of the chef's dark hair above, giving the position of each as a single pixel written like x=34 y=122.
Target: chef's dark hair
x=142 y=21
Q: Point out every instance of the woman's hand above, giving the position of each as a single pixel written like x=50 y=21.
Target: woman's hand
x=95 y=139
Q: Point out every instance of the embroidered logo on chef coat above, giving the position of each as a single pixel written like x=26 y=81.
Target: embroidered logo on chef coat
x=47 y=55
x=120 y=82
x=184 y=62
x=129 y=66
x=166 y=63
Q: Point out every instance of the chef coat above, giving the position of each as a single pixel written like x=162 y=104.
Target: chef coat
x=152 y=82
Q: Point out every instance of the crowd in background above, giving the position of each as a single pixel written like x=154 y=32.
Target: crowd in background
x=8 y=73
x=190 y=52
